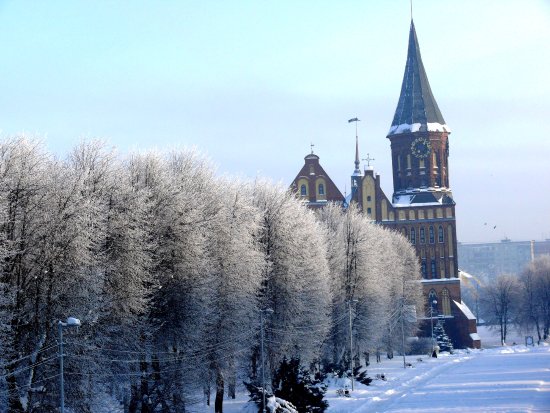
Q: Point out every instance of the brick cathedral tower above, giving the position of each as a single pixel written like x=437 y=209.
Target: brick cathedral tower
x=422 y=206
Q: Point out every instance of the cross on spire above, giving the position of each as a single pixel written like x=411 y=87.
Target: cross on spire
x=368 y=159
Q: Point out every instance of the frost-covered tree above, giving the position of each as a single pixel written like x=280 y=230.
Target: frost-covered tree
x=500 y=300
x=234 y=279
x=534 y=306
x=295 y=282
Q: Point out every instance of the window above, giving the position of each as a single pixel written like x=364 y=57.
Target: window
x=440 y=234
x=432 y=236
x=321 y=189
x=413 y=236
x=369 y=211
x=368 y=198
x=445 y=302
x=434 y=269
x=303 y=190
x=423 y=268
x=422 y=236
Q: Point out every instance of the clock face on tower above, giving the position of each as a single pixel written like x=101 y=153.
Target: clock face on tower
x=421 y=148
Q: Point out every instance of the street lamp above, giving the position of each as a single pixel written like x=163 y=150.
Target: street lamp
x=268 y=311
x=432 y=304
x=71 y=322
x=351 y=341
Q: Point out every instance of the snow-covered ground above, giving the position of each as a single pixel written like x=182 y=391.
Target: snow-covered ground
x=505 y=379
x=501 y=379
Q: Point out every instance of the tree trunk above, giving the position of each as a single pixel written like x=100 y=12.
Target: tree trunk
x=14 y=403
x=232 y=380
x=144 y=388
x=218 y=404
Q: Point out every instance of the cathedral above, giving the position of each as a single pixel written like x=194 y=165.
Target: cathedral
x=422 y=207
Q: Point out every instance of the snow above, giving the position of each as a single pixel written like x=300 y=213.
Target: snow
x=71 y=321
x=465 y=310
x=501 y=379
x=415 y=127
x=464 y=274
x=474 y=336
x=512 y=379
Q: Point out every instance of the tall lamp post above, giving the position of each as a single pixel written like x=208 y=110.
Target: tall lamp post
x=432 y=304
x=268 y=311
x=351 y=342
x=71 y=322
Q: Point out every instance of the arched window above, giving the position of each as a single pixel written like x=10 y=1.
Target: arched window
x=445 y=302
x=303 y=190
x=413 y=236
x=422 y=236
x=440 y=234
x=432 y=235
x=321 y=189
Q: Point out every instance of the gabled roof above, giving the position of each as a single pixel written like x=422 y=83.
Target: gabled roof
x=417 y=109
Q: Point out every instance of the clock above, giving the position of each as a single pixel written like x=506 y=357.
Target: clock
x=421 y=148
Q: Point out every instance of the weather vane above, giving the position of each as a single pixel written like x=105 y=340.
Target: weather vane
x=312 y=145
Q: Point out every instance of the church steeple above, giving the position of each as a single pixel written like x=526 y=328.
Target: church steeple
x=418 y=134
x=357 y=170
x=417 y=110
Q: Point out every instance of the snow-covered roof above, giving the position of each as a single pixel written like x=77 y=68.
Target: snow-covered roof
x=423 y=197
x=465 y=310
x=418 y=127
x=475 y=336
x=464 y=274
x=441 y=280
x=417 y=110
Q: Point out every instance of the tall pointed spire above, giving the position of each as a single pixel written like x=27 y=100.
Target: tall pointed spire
x=417 y=109
x=357 y=162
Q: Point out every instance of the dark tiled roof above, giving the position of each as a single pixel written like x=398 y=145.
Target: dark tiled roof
x=416 y=102
x=424 y=198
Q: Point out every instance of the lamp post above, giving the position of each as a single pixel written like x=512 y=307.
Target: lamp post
x=270 y=311
x=351 y=343
x=403 y=332
x=71 y=322
x=434 y=302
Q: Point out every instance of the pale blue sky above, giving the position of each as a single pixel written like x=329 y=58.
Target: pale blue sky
x=252 y=83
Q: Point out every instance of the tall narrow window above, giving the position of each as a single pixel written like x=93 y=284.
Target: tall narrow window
x=321 y=189
x=413 y=236
x=445 y=302
x=422 y=236
x=440 y=234
x=432 y=236
x=423 y=268
x=303 y=190
x=434 y=269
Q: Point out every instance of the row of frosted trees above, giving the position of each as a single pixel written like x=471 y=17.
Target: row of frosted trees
x=168 y=266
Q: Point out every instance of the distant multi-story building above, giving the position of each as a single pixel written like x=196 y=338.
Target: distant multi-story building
x=487 y=260
x=422 y=207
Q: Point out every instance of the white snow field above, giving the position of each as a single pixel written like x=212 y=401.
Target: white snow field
x=506 y=379
x=503 y=379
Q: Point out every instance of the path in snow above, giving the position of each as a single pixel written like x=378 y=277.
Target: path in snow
x=514 y=379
